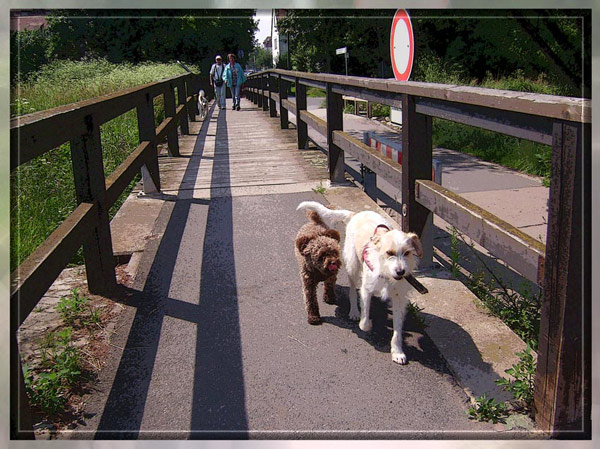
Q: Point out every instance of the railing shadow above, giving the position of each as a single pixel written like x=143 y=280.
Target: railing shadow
x=218 y=403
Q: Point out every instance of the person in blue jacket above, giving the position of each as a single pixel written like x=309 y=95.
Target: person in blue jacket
x=235 y=78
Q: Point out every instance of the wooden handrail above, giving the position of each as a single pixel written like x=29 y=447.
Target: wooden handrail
x=34 y=134
x=551 y=106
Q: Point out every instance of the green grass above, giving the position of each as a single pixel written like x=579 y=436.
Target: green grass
x=50 y=386
x=42 y=190
x=523 y=155
x=415 y=311
x=315 y=92
x=320 y=188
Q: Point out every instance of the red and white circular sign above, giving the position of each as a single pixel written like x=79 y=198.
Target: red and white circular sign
x=402 y=45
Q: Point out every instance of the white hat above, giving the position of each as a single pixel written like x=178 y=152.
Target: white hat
x=218 y=57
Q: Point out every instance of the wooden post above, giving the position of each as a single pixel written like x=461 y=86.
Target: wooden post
x=181 y=96
x=416 y=164
x=283 y=112
x=265 y=92
x=172 y=138
x=256 y=90
x=301 y=126
x=147 y=132
x=90 y=187
x=21 y=421
x=259 y=93
x=272 y=105
x=562 y=393
x=191 y=90
x=335 y=122
x=369 y=176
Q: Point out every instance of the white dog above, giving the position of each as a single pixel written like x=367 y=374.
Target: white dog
x=202 y=104
x=377 y=259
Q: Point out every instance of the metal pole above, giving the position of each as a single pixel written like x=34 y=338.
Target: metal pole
x=346 y=59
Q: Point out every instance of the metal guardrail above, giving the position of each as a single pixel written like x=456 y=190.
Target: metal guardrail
x=562 y=386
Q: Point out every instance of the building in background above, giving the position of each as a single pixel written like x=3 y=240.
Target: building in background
x=28 y=19
x=267 y=43
x=278 y=41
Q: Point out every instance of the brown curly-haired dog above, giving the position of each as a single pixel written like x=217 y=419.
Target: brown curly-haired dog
x=318 y=253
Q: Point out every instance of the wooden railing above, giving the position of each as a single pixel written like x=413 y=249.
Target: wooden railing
x=79 y=124
x=561 y=267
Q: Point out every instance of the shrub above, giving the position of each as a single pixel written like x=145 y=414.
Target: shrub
x=29 y=51
x=380 y=110
x=488 y=409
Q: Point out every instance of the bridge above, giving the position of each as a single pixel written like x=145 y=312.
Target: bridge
x=218 y=345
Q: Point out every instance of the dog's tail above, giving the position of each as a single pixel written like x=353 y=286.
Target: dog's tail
x=328 y=216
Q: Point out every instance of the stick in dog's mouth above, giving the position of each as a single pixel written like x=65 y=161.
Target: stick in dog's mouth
x=416 y=284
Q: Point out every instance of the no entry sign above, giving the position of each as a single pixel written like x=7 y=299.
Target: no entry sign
x=402 y=45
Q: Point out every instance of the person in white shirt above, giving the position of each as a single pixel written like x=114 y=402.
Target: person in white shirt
x=216 y=80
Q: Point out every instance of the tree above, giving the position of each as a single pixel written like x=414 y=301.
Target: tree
x=157 y=35
x=476 y=44
x=315 y=35
x=261 y=58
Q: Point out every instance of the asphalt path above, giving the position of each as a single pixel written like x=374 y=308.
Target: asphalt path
x=226 y=352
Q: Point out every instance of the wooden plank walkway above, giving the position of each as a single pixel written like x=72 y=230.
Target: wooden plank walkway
x=261 y=158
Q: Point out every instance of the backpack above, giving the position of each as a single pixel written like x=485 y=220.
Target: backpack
x=219 y=81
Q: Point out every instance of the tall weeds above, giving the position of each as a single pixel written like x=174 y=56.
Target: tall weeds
x=42 y=191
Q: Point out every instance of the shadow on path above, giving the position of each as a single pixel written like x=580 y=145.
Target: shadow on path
x=218 y=407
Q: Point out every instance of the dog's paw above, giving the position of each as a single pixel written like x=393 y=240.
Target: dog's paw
x=399 y=357
x=366 y=325
x=314 y=320
x=354 y=315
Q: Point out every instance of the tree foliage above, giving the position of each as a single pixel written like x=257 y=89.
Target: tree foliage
x=315 y=35
x=29 y=50
x=472 y=44
x=261 y=58
x=134 y=36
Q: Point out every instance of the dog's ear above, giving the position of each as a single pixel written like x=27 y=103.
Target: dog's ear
x=416 y=243
x=332 y=233
x=303 y=241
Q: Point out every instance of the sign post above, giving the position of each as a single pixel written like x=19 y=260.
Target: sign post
x=343 y=51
